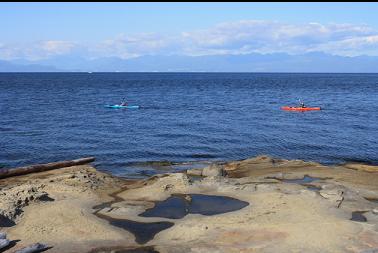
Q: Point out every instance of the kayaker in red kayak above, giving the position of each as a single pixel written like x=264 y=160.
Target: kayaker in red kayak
x=301 y=107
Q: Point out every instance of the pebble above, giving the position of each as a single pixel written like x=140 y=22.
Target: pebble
x=37 y=247
x=4 y=243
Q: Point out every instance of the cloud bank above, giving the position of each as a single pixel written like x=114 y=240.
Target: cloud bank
x=240 y=37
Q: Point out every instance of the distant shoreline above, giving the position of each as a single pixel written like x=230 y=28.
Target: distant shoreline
x=179 y=72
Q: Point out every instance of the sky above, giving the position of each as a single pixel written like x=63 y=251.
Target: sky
x=35 y=31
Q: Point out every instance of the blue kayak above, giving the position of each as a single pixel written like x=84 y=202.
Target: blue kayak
x=122 y=106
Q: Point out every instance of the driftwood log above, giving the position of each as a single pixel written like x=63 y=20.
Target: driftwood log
x=4 y=173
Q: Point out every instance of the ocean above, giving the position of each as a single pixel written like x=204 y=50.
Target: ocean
x=185 y=119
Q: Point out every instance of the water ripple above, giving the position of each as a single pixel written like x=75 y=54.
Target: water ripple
x=185 y=117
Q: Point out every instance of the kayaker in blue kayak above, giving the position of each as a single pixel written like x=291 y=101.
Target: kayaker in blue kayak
x=124 y=103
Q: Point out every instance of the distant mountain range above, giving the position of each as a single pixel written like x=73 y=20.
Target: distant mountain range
x=6 y=66
x=276 y=62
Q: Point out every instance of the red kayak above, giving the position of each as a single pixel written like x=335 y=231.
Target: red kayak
x=301 y=109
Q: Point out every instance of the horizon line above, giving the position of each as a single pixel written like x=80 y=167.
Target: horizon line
x=175 y=72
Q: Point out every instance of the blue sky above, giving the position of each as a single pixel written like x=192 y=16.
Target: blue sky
x=41 y=30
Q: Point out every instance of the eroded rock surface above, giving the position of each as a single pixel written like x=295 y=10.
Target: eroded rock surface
x=91 y=210
x=14 y=198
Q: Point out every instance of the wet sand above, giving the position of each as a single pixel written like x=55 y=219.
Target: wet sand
x=290 y=206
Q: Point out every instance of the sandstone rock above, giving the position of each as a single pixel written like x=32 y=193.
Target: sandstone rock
x=15 y=198
x=370 y=251
x=334 y=195
x=361 y=167
x=267 y=226
x=266 y=187
x=276 y=176
x=214 y=170
x=179 y=177
x=243 y=168
x=371 y=217
x=194 y=172
x=308 y=193
x=260 y=164
x=188 y=198
x=125 y=211
x=375 y=211
x=168 y=187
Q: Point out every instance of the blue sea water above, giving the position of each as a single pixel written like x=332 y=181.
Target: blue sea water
x=185 y=117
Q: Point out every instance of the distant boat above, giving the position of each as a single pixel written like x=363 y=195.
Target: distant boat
x=90 y=72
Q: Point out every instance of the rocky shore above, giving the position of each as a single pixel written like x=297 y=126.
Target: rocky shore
x=255 y=205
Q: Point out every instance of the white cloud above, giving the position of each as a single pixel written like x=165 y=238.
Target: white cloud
x=37 y=50
x=56 y=47
x=268 y=36
x=351 y=46
x=128 y=46
x=240 y=37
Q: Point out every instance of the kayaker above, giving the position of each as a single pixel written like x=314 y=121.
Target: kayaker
x=301 y=104
x=124 y=103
